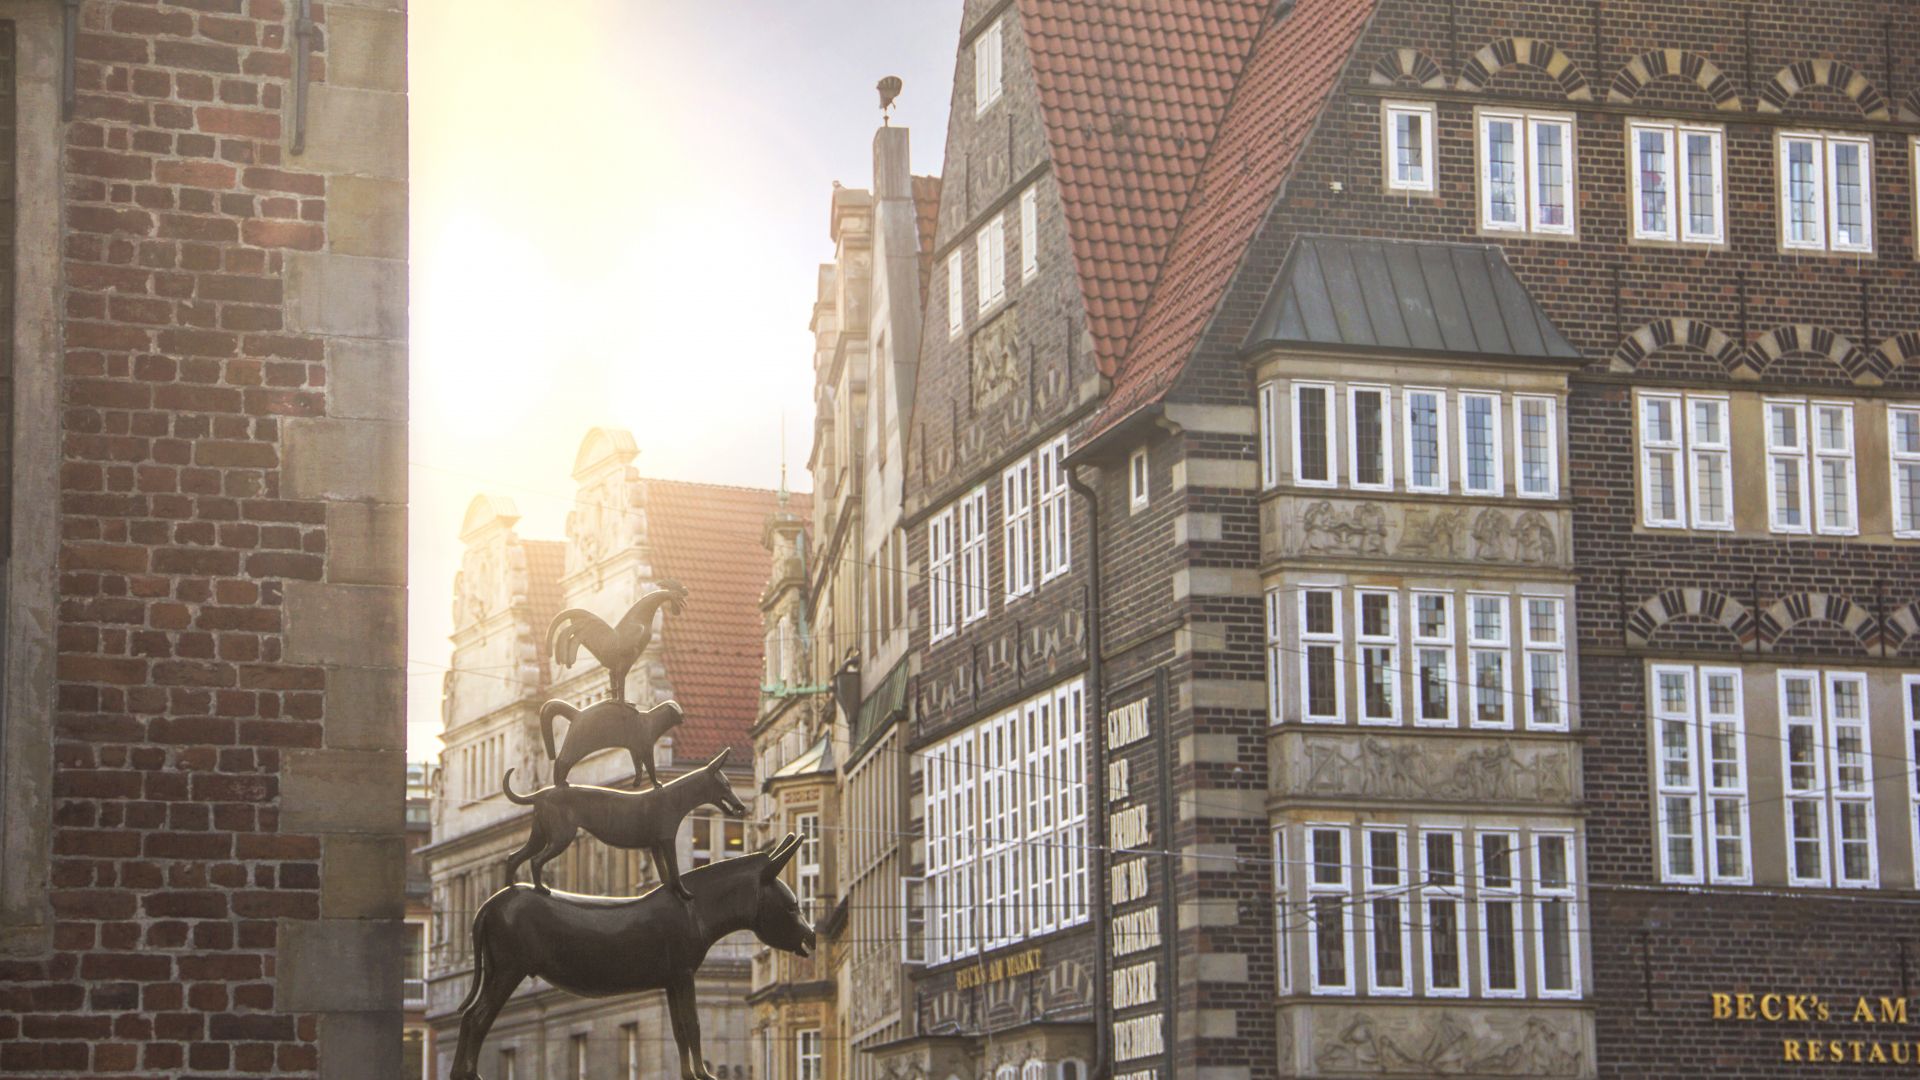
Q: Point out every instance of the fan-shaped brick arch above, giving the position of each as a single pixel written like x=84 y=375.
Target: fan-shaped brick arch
x=1806 y=74
x=1900 y=349
x=1704 y=73
x=1408 y=65
x=1910 y=107
x=1544 y=56
x=1862 y=365
x=1790 y=611
x=1691 y=333
x=1902 y=627
x=1675 y=604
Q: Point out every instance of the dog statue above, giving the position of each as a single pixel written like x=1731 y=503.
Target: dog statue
x=622 y=819
x=608 y=725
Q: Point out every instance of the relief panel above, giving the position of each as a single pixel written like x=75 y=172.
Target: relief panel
x=1430 y=1040
x=1441 y=767
x=1341 y=526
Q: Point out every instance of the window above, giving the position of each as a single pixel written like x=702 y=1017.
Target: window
x=1033 y=1070
x=1787 y=466
x=714 y=838
x=1480 y=444
x=1277 y=653
x=1546 y=656
x=1377 y=636
x=1537 y=447
x=1826 y=192
x=1369 y=438
x=1500 y=970
x=1558 y=955
x=940 y=578
x=807 y=1054
x=1426 y=425
x=1903 y=438
x=577 y=1055
x=1409 y=145
x=1269 y=435
x=630 y=1049
x=1282 y=931
x=509 y=1065
x=1313 y=435
x=1678 y=774
x=1910 y=699
x=1677 y=190
x=1526 y=173
x=1055 y=525
x=988 y=54
x=1433 y=659
x=1833 y=475
x=973 y=555
x=806 y=872
x=1029 y=233
x=1016 y=510
x=913 y=921
x=1384 y=877
x=990 y=261
x=1327 y=903
x=1443 y=934
x=1829 y=779
x=1710 y=463
x=1137 y=491
x=1831 y=469
x=1487 y=653
x=956 y=291
x=1320 y=660
x=1662 y=502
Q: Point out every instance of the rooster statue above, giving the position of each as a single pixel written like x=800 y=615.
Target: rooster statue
x=617 y=648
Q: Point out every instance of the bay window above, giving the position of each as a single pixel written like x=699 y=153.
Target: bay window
x=1383 y=874
x=1546 y=657
x=1426 y=426
x=1328 y=899
x=1269 y=435
x=1480 y=463
x=1536 y=442
x=1377 y=635
x=1499 y=902
x=1321 y=670
x=1487 y=654
x=806 y=865
x=1903 y=438
x=1433 y=659
x=1409 y=147
x=1677 y=187
x=1826 y=192
x=1278 y=654
x=1282 y=931
x=1313 y=455
x=1557 y=950
x=1526 y=173
x=1369 y=438
x=1443 y=933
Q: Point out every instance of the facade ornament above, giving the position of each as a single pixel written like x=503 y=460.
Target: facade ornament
x=1359 y=531
x=1492 y=536
x=1435 y=535
x=609 y=725
x=616 y=647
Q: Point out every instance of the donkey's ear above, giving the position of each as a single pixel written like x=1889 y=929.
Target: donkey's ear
x=720 y=758
x=781 y=855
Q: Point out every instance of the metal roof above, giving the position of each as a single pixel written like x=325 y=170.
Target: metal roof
x=1451 y=298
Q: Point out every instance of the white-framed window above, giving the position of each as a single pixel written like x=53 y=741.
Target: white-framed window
x=1555 y=921
x=1723 y=741
x=1829 y=779
x=1663 y=500
x=913 y=921
x=1910 y=700
x=1836 y=512
x=1433 y=659
x=1709 y=463
x=1016 y=512
x=1502 y=971
x=1426 y=438
x=1376 y=632
x=940 y=576
x=1850 y=781
x=1369 y=438
x=1545 y=639
x=1826 y=192
x=1443 y=930
x=808 y=1053
x=1003 y=831
x=1526 y=173
x=1282 y=909
x=1488 y=642
x=1046 y=762
x=577 y=1056
x=1321 y=670
x=1810 y=467
x=1329 y=898
x=1033 y=1070
x=956 y=293
x=990 y=260
x=630 y=1049
x=1536 y=443
x=806 y=864
x=974 y=588
x=1269 y=435
x=1903 y=446
x=1139 y=491
x=1480 y=460
x=1056 y=532
x=1029 y=233
x=1408 y=130
x=1313 y=453
x=1677 y=172
x=1677 y=783
x=989 y=54
x=1384 y=881
x=1278 y=654
x=1787 y=466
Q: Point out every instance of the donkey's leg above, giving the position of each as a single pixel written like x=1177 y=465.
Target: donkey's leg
x=677 y=1013
x=496 y=987
x=700 y=1070
x=558 y=840
x=668 y=866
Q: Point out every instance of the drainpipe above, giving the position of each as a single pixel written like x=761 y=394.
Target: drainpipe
x=1102 y=943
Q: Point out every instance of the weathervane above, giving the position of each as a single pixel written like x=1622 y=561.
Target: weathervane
x=889 y=88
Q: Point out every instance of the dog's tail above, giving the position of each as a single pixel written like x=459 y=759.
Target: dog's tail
x=479 y=958
x=551 y=709
x=506 y=786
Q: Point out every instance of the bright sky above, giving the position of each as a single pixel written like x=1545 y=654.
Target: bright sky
x=619 y=207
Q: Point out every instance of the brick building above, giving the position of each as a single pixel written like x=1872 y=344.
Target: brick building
x=204 y=359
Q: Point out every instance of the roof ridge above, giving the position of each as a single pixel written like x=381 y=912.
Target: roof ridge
x=720 y=487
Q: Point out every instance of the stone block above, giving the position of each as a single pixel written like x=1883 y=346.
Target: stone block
x=361 y=1045
x=347 y=296
x=367 y=379
x=341 y=966
x=329 y=458
x=367 y=543
x=1239 y=694
x=350 y=130
x=1221 y=967
x=346 y=625
x=1217 y=1024
x=1217 y=419
x=1196 y=527
x=366 y=48
x=366 y=709
x=367 y=216
x=343 y=791
x=363 y=877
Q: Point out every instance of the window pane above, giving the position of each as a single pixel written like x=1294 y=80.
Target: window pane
x=1313 y=463
x=1423 y=438
x=1479 y=443
x=1849 y=196
x=1503 y=172
x=1502 y=965
x=1786 y=492
x=1435 y=682
x=1409 y=139
x=1556 y=945
x=1322 y=694
x=1550 y=168
x=1654 y=170
x=1663 y=484
x=1703 y=195
x=1369 y=438
x=1443 y=925
x=1536 y=447
x=1319 y=612
x=1328 y=857
x=1329 y=940
x=1803 y=198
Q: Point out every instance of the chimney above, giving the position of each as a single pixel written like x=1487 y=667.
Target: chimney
x=892 y=164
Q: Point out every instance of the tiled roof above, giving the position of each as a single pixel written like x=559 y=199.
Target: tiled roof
x=1286 y=84
x=709 y=538
x=926 y=212
x=546 y=562
x=1132 y=92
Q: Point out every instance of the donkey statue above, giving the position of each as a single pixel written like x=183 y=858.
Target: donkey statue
x=599 y=946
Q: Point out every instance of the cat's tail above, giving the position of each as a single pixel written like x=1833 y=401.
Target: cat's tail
x=551 y=709
x=506 y=786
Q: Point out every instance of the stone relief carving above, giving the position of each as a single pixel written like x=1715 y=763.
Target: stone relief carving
x=477 y=587
x=1433 y=534
x=996 y=360
x=1389 y=1042
x=1361 y=530
x=1451 y=769
x=875 y=990
x=1386 y=529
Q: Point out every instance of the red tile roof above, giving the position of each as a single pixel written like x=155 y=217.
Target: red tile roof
x=1287 y=82
x=546 y=563
x=709 y=538
x=1132 y=91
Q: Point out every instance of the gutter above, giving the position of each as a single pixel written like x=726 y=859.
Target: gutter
x=1102 y=944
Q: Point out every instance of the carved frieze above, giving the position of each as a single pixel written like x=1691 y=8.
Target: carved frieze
x=1342 y=526
x=996 y=360
x=1347 y=1040
x=1446 y=768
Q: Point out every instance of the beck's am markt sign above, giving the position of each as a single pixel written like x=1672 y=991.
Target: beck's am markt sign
x=1823 y=1030
x=1133 y=838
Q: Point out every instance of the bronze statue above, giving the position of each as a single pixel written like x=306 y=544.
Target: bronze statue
x=600 y=946
x=622 y=819
x=617 y=648
x=608 y=725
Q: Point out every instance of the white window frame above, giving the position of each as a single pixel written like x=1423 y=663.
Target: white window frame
x=1299 y=434
x=1438 y=485
x=1793 y=455
x=1139 y=481
x=809 y=1057
x=913 y=921
x=1487 y=895
x=1813 y=791
x=1424 y=645
x=1714 y=790
x=1269 y=435
x=1397 y=891
x=1056 y=514
x=1309 y=641
x=1676 y=743
x=1679 y=182
x=1354 y=391
x=956 y=293
x=942 y=613
x=1029 y=233
x=975 y=556
x=1480 y=645
x=806 y=863
x=1278 y=653
x=1387 y=644
x=1339 y=896
x=1553 y=649
x=1859 y=793
x=1906 y=508
x=1551 y=490
x=1527 y=187
x=1033 y=1070
x=1826 y=208
x=1565 y=893
x=990 y=258
x=1910 y=702
x=1652 y=448
x=989 y=63
x=1432 y=892
x=1016 y=515
x=1844 y=456
x=1391 y=111
x=1498 y=464
x=1706 y=456
x=1282 y=908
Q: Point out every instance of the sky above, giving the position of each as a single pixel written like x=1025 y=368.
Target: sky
x=618 y=212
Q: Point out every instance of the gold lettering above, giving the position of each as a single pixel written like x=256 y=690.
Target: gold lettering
x=1815 y=1050
x=1723 y=1006
x=1770 y=1008
x=1878 y=1056
x=1835 y=1050
x=1893 y=1010
x=1862 y=1012
x=1901 y=1054
x=1820 y=1011
x=1797 y=1007
x=1790 y=1050
x=1744 y=1006
x=1856 y=1052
